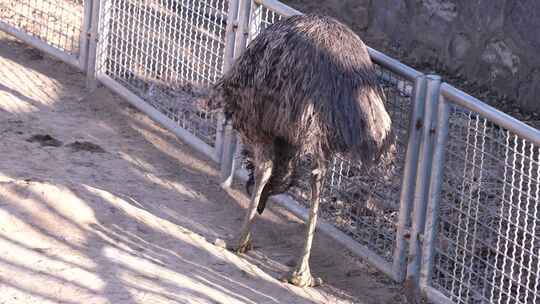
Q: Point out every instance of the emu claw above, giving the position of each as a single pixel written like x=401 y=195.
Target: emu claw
x=240 y=249
x=302 y=279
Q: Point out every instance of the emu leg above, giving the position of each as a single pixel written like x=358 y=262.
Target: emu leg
x=263 y=171
x=301 y=274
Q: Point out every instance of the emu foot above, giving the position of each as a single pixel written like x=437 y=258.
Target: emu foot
x=241 y=248
x=302 y=279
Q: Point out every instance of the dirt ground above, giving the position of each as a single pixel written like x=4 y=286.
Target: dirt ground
x=98 y=204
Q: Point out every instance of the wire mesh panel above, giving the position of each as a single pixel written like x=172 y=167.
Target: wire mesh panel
x=57 y=23
x=486 y=247
x=166 y=52
x=365 y=205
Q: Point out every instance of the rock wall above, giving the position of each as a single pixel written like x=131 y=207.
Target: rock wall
x=493 y=43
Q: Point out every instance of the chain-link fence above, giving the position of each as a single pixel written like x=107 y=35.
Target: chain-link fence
x=483 y=232
x=166 y=53
x=56 y=26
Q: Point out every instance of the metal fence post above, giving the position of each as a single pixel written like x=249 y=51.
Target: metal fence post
x=409 y=174
x=220 y=134
x=230 y=139
x=228 y=135
x=434 y=193
x=422 y=178
x=228 y=158
x=230 y=35
x=91 y=81
x=85 y=31
x=244 y=24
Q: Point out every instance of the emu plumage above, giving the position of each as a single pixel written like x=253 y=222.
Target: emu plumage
x=304 y=86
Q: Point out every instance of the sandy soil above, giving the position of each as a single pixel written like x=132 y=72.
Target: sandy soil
x=100 y=205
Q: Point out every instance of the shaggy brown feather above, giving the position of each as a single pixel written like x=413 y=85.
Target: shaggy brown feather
x=310 y=81
x=305 y=85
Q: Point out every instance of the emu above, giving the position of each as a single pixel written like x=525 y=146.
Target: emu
x=305 y=86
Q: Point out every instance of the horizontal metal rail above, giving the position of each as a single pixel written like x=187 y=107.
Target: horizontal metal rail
x=279 y=7
x=40 y=45
x=504 y=120
x=393 y=65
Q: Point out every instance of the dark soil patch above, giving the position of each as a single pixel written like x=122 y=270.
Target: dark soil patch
x=45 y=140
x=35 y=54
x=87 y=146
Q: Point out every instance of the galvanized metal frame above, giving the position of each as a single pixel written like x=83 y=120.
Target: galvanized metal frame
x=225 y=133
x=399 y=266
x=449 y=96
x=237 y=39
x=397 y=269
x=92 y=38
x=85 y=32
x=278 y=7
x=79 y=62
x=421 y=184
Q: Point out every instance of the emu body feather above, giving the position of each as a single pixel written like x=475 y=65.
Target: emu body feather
x=308 y=82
